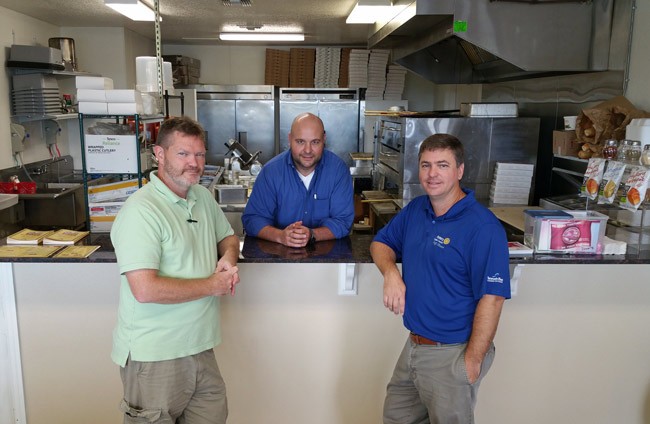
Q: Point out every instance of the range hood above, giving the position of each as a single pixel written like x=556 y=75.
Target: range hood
x=482 y=41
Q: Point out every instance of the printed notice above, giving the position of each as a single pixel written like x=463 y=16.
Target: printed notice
x=111 y=154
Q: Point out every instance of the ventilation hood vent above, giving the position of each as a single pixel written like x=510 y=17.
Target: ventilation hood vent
x=482 y=41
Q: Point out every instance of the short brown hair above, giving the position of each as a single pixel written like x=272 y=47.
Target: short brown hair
x=441 y=142
x=184 y=125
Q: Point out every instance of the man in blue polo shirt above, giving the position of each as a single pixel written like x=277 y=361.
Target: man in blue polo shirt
x=455 y=278
x=304 y=194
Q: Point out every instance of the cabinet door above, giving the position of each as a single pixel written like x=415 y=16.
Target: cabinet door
x=256 y=118
x=218 y=119
x=288 y=111
x=341 y=120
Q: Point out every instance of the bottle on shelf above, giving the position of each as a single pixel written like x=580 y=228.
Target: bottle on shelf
x=623 y=147
x=634 y=152
x=611 y=149
x=645 y=155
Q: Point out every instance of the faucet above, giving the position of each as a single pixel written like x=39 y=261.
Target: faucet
x=39 y=170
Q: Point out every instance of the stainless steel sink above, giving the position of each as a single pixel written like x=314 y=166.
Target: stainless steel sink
x=51 y=191
x=55 y=205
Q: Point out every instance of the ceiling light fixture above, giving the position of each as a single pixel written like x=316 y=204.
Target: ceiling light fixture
x=266 y=36
x=246 y=3
x=369 y=11
x=135 y=10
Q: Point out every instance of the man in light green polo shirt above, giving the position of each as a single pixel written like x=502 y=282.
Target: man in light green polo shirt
x=177 y=255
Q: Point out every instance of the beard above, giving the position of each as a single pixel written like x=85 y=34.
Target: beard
x=185 y=177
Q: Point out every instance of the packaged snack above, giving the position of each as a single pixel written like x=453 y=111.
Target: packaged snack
x=611 y=180
x=635 y=188
x=592 y=178
x=575 y=235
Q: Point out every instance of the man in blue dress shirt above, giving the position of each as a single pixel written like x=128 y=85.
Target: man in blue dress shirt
x=455 y=278
x=302 y=195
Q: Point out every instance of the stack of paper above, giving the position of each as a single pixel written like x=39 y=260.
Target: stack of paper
x=65 y=237
x=28 y=236
x=358 y=69
x=377 y=74
x=394 y=82
x=511 y=183
x=27 y=251
x=326 y=74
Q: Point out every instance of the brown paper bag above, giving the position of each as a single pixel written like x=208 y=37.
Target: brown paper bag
x=606 y=120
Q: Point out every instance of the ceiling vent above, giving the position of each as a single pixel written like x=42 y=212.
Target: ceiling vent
x=480 y=41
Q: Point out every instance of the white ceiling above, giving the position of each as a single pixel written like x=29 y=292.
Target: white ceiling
x=323 y=21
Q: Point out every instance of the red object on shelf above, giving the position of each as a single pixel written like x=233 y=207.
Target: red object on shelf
x=18 y=188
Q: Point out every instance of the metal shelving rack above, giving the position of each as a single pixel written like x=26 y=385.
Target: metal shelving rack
x=137 y=147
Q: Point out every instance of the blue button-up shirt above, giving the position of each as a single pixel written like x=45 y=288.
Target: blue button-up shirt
x=279 y=197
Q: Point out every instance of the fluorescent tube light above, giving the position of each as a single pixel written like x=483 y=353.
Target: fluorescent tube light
x=135 y=10
x=369 y=12
x=267 y=36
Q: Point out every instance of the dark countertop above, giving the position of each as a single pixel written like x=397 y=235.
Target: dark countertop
x=352 y=249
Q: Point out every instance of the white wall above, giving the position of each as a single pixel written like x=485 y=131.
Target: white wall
x=19 y=29
x=227 y=65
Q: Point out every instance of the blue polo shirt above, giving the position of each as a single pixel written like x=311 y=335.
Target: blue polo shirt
x=279 y=197
x=448 y=263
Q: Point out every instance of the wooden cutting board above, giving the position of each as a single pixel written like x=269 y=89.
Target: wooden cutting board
x=512 y=215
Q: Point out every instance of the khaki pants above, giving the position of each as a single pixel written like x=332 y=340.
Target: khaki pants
x=430 y=385
x=186 y=390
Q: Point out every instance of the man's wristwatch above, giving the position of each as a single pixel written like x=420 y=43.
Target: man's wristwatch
x=312 y=237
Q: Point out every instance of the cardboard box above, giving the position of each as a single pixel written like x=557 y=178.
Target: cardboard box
x=93 y=83
x=102 y=215
x=185 y=80
x=125 y=108
x=182 y=60
x=183 y=70
x=113 y=191
x=276 y=70
x=88 y=95
x=111 y=154
x=565 y=143
x=93 y=108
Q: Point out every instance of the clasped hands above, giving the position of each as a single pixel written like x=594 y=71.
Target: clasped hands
x=227 y=277
x=295 y=235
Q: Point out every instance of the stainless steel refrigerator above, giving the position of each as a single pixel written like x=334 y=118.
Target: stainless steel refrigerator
x=246 y=113
x=338 y=108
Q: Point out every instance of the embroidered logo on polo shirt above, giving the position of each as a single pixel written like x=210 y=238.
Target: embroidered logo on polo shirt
x=441 y=241
x=496 y=278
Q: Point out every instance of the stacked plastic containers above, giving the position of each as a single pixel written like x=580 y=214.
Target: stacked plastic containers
x=146 y=72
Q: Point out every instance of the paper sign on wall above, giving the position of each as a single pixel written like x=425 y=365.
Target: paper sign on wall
x=111 y=154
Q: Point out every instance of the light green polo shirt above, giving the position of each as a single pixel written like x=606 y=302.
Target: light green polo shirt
x=151 y=231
